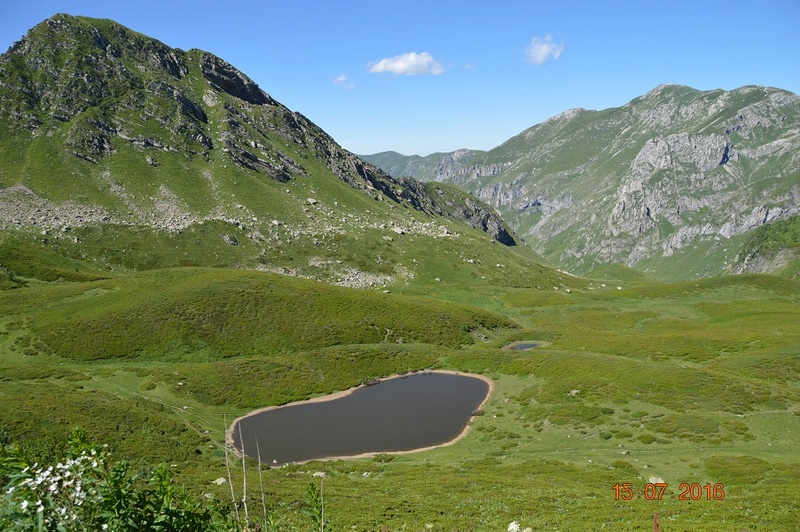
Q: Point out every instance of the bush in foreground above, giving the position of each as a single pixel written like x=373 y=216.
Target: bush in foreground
x=86 y=491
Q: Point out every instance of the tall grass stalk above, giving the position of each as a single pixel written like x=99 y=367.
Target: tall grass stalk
x=261 y=483
x=322 y=506
x=244 y=483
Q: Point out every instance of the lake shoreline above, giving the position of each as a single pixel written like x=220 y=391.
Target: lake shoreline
x=338 y=395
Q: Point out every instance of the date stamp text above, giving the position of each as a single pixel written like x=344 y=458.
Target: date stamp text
x=658 y=491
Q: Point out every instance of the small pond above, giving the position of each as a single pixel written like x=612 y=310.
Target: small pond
x=524 y=346
x=406 y=413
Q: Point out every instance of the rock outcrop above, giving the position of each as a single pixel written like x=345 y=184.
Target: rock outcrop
x=223 y=76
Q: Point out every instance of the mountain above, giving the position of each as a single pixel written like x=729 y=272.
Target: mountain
x=672 y=183
x=122 y=151
x=142 y=188
x=434 y=167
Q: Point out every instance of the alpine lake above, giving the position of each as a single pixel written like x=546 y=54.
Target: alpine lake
x=400 y=414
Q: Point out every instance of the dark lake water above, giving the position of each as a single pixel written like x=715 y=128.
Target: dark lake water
x=401 y=414
x=523 y=346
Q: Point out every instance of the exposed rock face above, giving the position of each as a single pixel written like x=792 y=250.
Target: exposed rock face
x=93 y=89
x=446 y=201
x=684 y=152
x=224 y=77
x=671 y=172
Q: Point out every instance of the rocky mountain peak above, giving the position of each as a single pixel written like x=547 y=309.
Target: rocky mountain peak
x=95 y=92
x=666 y=90
x=569 y=114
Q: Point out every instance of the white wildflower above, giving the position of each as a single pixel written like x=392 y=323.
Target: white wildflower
x=513 y=527
x=23 y=505
x=39 y=507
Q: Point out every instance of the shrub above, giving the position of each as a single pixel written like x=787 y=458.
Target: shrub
x=647 y=438
x=85 y=491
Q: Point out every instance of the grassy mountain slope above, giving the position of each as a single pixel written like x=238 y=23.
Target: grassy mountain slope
x=774 y=247
x=132 y=305
x=668 y=182
x=181 y=150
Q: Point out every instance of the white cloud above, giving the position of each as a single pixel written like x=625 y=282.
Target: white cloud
x=410 y=64
x=343 y=81
x=543 y=49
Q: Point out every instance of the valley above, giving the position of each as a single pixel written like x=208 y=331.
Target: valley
x=674 y=183
x=178 y=249
x=691 y=383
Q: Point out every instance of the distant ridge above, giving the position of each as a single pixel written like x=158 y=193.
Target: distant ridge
x=671 y=183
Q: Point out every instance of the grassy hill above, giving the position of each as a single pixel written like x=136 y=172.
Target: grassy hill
x=774 y=247
x=154 y=287
x=690 y=382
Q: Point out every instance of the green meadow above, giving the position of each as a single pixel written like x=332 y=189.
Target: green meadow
x=634 y=381
x=175 y=254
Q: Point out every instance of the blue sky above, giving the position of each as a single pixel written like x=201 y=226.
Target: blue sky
x=425 y=76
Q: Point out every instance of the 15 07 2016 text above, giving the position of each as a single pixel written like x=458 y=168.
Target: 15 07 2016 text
x=656 y=491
